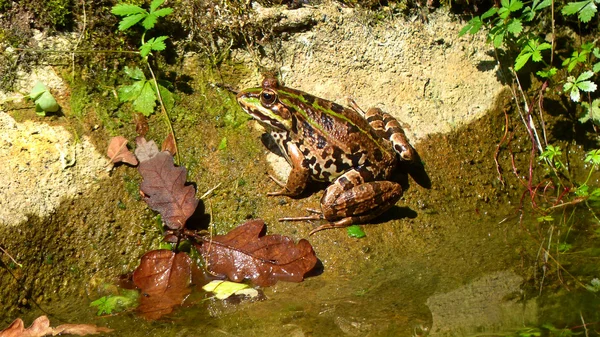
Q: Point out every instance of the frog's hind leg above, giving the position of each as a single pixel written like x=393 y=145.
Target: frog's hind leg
x=388 y=127
x=351 y=199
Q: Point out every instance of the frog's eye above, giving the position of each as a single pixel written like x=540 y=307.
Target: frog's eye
x=268 y=97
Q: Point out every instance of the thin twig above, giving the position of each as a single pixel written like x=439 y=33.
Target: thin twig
x=10 y=257
x=78 y=40
x=210 y=191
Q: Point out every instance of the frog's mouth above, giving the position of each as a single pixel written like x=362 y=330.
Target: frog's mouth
x=252 y=106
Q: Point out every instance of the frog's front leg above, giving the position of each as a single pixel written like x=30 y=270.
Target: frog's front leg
x=299 y=176
x=350 y=199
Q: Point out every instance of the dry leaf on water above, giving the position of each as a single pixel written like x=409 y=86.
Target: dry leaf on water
x=118 y=152
x=164 y=278
x=243 y=253
x=41 y=327
x=164 y=186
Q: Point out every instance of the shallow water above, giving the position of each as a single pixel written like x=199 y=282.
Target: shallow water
x=455 y=260
x=464 y=281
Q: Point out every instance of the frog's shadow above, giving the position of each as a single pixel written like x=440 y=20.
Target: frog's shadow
x=395 y=213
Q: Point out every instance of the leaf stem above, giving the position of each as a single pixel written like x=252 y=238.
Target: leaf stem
x=165 y=113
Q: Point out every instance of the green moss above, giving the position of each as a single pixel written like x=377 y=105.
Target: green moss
x=59 y=12
x=5 y=5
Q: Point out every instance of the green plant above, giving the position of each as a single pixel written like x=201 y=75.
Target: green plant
x=143 y=93
x=116 y=303
x=43 y=99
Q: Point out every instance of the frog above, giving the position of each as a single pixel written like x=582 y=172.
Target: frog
x=356 y=152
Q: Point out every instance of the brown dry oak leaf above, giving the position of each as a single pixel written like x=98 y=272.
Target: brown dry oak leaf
x=243 y=253
x=169 y=144
x=164 y=278
x=41 y=327
x=118 y=152
x=164 y=186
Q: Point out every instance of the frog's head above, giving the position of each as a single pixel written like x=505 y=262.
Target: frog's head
x=264 y=104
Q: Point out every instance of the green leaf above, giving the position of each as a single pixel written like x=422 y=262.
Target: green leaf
x=564 y=247
x=127 y=9
x=575 y=94
x=155 y=4
x=163 y=12
x=135 y=73
x=595 y=195
x=587 y=86
x=582 y=191
x=573 y=86
x=545 y=218
x=150 y=21
x=129 y=93
x=498 y=39
x=159 y=43
x=515 y=27
x=146 y=101
x=167 y=97
x=489 y=13
x=547 y=73
x=153 y=44
x=116 y=303
x=551 y=152
x=592 y=112
x=521 y=60
x=145 y=49
x=596 y=68
x=515 y=5
x=355 y=231
x=585 y=76
x=585 y=10
x=532 y=49
x=593 y=157
x=222 y=144
x=129 y=21
x=472 y=26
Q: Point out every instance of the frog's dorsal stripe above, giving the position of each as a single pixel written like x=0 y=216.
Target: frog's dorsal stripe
x=314 y=102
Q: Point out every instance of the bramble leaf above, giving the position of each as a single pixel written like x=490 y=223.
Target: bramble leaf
x=547 y=73
x=592 y=112
x=515 y=27
x=128 y=93
x=135 y=73
x=153 y=44
x=155 y=4
x=593 y=157
x=585 y=10
x=167 y=97
x=126 y=10
x=581 y=83
x=472 y=27
x=163 y=12
x=129 y=21
x=146 y=101
x=534 y=50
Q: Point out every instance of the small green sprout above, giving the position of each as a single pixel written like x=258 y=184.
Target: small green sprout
x=355 y=231
x=116 y=303
x=43 y=99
